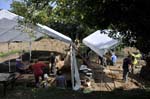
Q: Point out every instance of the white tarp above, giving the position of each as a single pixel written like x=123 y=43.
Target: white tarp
x=52 y=33
x=99 y=42
x=8 y=15
x=11 y=30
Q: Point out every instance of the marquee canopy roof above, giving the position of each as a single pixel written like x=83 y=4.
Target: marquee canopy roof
x=12 y=31
x=99 y=42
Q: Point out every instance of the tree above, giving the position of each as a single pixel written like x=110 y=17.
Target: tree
x=19 y=8
x=130 y=17
x=38 y=11
x=34 y=11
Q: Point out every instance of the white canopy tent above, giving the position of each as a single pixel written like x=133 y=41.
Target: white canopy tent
x=99 y=42
x=12 y=31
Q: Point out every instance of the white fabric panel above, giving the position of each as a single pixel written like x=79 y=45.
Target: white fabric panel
x=10 y=32
x=6 y=25
x=55 y=34
x=76 y=83
x=99 y=42
x=24 y=37
x=9 y=15
x=9 y=36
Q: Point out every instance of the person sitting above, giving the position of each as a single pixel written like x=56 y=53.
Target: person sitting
x=45 y=83
x=60 y=80
x=20 y=66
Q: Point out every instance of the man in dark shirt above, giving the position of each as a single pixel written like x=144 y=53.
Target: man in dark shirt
x=126 y=68
x=52 y=62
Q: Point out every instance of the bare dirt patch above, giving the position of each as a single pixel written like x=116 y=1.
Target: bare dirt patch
x=42 y=45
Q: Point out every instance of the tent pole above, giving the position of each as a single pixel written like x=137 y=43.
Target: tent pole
x=21 y=50
x=9 y=57
x=30 y=48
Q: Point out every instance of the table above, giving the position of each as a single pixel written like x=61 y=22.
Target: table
x=7 y=79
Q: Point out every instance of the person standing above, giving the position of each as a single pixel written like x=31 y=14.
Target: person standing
x=114 y=59
x=134 y=61
x=52 y=62
x=108 y=58
x=102 y=60
x=126 y=67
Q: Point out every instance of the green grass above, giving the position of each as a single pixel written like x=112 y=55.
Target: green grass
x=8 y=53
x=20 y=92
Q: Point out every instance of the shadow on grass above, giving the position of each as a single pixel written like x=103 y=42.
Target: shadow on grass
x=21 y=92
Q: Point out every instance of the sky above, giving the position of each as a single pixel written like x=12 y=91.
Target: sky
x=5 y=4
